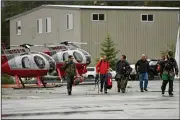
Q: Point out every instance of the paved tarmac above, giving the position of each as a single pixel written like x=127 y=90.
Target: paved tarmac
x=86 y=103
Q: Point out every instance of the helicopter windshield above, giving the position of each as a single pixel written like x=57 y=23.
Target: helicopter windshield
x=83 y=51
x=78 y=57
x=39 y=62
x=65 y=56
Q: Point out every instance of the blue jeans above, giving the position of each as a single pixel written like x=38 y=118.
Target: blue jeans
x=103 y=78
x=143 y=77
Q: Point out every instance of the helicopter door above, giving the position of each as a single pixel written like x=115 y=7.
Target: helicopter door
x=39 y=62
x=26 y=63
x=65 y=56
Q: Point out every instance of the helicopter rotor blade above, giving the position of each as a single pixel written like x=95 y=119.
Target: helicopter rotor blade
x=77 y=43
x=68 y=42
x=15 y=46
x=39 y=45
x=31 y=45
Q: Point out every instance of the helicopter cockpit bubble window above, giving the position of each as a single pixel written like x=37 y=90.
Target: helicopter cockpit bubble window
x=78 y=57
x=26 y=63
x=83 y=51
x=39 y=62
x=65 y=56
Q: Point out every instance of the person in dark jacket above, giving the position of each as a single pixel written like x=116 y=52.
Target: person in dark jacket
x=102 y=68
x=70 y=70
x=142 y=68
x=122 y=70
x=169 y=70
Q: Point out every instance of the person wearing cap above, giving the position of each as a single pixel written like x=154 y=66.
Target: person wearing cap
x=142 y=68
x=70 y=69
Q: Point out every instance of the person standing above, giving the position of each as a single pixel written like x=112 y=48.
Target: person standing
x=123 y=70
x=142 y=68
x=160 y=67
x=169 y=70
x=70 y=70
x=102 y=68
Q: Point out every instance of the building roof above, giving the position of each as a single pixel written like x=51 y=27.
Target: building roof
x=96 y=7
x=114 y=7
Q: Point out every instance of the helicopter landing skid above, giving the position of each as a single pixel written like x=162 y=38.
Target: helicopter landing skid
x=22 y=82
x=17 y=81
x=34 y=87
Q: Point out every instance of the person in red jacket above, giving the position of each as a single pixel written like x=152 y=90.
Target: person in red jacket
x=102 y=68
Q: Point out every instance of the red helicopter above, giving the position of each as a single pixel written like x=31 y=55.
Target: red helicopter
x=22 y=63
x=60 y=52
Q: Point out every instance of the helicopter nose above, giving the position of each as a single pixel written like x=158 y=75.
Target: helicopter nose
x=88 y=60
x=52 y=67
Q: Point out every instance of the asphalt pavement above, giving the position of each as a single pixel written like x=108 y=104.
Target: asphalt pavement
x=86 y=103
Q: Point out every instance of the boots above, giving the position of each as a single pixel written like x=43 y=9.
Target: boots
x=170 y=93
x=69 y=92
x=145 y=89
x=118 y=89
x=123 y=90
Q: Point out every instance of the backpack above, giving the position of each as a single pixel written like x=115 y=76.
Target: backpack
x=109 y=81
x=169 y=64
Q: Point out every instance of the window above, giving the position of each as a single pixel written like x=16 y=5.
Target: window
x=65 y=56
x=83 y=51
x=39 y=26
x=88 y=60
x=39 y=62
x=18 y=27
x=101 y=16
x=150 y=17
x=69 y=22
x=78 y=57
x=48 y=25
x=26 y=62
x=144 y=17
x=147 y=18
x=98 y=17
x=95 y=16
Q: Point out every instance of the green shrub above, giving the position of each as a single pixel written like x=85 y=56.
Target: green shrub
x=6 y=79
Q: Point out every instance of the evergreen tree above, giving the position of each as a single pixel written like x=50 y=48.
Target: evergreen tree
x=108 y=49
x=170 y=48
